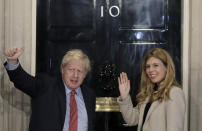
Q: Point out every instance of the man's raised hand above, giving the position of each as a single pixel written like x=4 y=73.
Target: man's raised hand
x=12 y=54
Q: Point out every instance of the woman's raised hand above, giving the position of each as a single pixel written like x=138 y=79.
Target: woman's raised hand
x=124 y=85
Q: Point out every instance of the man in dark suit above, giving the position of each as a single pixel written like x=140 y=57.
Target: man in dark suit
x=51 y=97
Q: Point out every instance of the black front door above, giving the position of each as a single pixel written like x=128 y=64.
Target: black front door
x=115 y=34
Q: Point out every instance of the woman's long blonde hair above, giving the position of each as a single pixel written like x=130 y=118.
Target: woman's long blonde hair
x=147 y=87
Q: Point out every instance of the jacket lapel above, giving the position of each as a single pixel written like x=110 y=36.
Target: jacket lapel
x=141 y=116
x=85 y=97
x=62 y=100
x=154 y=105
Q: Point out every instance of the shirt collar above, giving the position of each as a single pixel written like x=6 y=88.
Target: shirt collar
x=68 y=90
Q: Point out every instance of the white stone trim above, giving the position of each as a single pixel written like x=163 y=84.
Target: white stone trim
x=186 y=57
x=33 y=57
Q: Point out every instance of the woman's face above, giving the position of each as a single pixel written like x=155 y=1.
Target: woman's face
x=155 y=70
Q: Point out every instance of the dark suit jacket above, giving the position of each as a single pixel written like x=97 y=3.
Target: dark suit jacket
x=48 y=100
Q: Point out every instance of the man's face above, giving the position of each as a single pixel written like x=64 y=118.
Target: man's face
x=74 y=73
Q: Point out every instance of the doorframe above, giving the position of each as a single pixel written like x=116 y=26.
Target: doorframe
x=186 y=56
x=33 y=44
x=185 y=51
